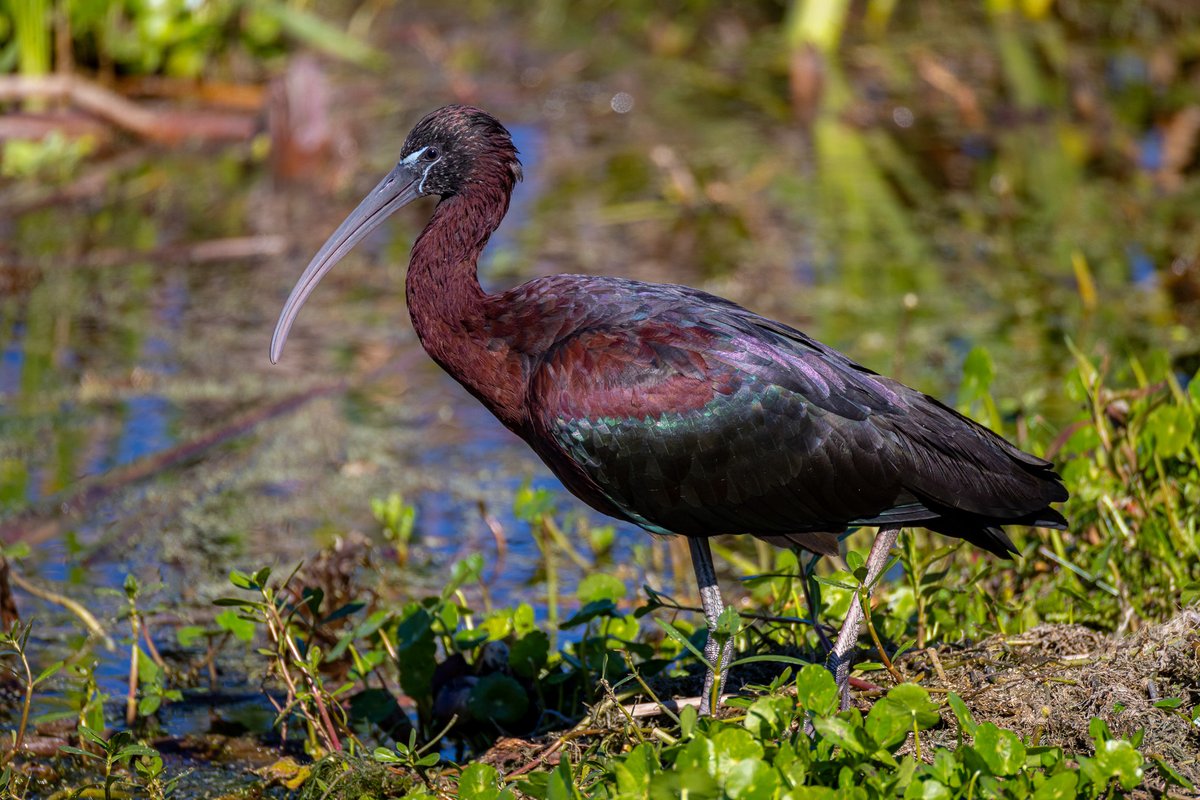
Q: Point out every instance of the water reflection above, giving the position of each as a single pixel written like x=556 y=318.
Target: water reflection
x=150 y=356
x=144 y=432
x=528 y=140
x=12 y=359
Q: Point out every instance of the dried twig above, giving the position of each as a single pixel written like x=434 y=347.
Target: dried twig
x=233 y=248
x=62 y=600
x=170 y=126
x=9 y=615
x=674 y=706
x=497 y=530
x=937 y=665
x=554 y=747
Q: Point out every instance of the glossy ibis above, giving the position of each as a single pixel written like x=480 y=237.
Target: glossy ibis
x=674 y=409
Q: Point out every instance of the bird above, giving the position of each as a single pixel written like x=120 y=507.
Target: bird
x=677 y=410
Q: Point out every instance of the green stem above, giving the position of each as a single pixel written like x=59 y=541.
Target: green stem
x=31 y=28
x=545 y=541
x=134 y=650
x=25 y=706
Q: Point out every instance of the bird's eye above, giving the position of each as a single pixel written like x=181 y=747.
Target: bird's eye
x=430 y=154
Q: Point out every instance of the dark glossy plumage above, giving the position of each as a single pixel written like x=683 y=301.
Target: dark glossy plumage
x=672 y=408
x=688 y=414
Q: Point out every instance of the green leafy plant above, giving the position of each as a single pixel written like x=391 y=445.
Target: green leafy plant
x=54 y=158
x=118 y=752
x=397 y=519
x=13 y=784
x=153 y=779
x=175 y=38
x=148 y=673
x=295 y=660
x=15 y=644
x=409 y=755
x=767 y=754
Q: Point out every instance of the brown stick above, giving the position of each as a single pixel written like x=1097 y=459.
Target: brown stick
x=151 y=649
x=239 y=96
x=944 y=80
x=73 y=606
x=554 y=748
x=72 y=124
x=493 y=525
x=9 y=615
x=674 y=706
x=937 y=665
x=169 y=127
x=232 y=248
x=40 y=746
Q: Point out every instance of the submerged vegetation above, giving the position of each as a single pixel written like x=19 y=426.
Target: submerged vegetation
x=992 y=200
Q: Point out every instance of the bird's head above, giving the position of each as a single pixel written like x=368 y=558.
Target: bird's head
x=459 y=146
x=449 y=152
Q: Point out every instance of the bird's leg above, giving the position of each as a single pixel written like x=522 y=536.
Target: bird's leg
x=810 y=599
x=839 y=658
x=710 y=598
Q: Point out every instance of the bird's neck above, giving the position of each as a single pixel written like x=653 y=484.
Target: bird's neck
x=451 y=312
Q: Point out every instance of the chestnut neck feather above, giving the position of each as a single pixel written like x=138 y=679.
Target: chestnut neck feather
x=451 y=312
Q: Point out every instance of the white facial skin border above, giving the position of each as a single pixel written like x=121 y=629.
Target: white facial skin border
x=412 y=158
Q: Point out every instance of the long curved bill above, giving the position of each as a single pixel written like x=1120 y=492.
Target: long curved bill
x=398 y=188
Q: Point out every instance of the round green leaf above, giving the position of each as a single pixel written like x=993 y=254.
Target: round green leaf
x=915 y=700
x=498 y=698
x=1058 y=787
x=816 y=690
x=479 y=782
x=600 y=586
x=888 y=723
x=768 y=717
x=1121 y=760
x=635 y=771
x=750 y=779
x=698 y=757
x=927 y=790
x=529 y=654
x=1001 y=750
x=735 y=744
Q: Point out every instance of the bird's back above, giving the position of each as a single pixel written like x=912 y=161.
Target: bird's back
x=688 y=414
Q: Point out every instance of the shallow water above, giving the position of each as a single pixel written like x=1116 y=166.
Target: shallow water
x=108 y=368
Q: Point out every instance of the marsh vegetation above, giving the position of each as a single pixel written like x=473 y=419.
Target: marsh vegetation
x=340 y=578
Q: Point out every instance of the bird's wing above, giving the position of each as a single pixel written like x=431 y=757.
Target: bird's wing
x=696 y=427
x=704 y=418
x=955 y=466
